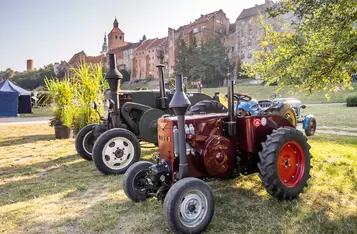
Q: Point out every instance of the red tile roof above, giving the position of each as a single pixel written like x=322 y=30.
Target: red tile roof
x=157 y=42
x=144 y=44
x=126 y=46
x=202 y=19
x=95 y=59
x=116 y=30
x=77 y=57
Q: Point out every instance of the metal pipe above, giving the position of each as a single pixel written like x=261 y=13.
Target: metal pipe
x=179 y=104
x=163 y=98
x=230 y=100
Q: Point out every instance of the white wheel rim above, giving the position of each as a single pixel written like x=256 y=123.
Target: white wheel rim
x=118 y=153
x=84 y=140
x=193 y=208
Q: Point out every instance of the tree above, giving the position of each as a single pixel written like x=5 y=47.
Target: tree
x=319 y=55
x=34 y=79
x=8 y=73
x=208 y=63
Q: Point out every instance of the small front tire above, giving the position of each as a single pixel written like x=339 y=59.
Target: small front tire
x=189 y=206
x=85 y=141
x=134 y=181
x=311 y=127
x=115 y=151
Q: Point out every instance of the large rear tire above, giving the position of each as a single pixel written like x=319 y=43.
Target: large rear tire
x=189 y=206
x=287 y=112
x=134 y=181
x=115 y=151
x=208 y=106
x=85 y=141
x=285 y=163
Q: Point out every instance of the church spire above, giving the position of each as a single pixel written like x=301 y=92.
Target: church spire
x=116 y=24
x=105 y=45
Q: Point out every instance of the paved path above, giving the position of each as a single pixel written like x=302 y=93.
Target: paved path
x=24 y=120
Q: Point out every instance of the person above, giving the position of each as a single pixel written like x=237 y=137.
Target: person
x=199 y=87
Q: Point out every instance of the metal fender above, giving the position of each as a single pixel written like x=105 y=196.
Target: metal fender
x=305 y=123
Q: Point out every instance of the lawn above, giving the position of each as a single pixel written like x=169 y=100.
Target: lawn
x=46 y=187
x=39 y=112
x=261 y=92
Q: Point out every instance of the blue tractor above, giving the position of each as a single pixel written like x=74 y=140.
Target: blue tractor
x=290 y=108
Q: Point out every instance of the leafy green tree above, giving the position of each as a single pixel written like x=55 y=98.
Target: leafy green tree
x=8 y=73
x=34 y=79
x=319 y=55
x=182 y=65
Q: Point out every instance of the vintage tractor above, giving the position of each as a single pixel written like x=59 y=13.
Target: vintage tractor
x=197 y=147
x=129 y=116
x=290 y=108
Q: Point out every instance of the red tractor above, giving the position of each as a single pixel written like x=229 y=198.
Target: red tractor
x=198 y=147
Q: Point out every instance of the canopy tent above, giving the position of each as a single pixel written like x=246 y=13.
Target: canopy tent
x=14 y=99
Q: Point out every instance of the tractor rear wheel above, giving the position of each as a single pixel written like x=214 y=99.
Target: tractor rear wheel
x=115 y=151
x=208 y=106
x=284 y=163
x=85 y=141
x=189 y=206
x=135 y=181
x=287 y=112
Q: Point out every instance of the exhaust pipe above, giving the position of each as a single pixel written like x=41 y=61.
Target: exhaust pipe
x=179 y=104
x=163 y=98
x=113 y=78
x=231 y=124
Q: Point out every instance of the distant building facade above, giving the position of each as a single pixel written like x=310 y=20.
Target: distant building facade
x=215 y=24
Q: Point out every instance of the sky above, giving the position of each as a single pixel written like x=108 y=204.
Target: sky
x=49 y=31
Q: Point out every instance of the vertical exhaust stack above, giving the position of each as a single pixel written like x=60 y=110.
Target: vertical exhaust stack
x=231 y=124
x=113 y=78
x=179 y=105
x=163 y=98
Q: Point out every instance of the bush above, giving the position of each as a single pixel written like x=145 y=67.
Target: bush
x=73 y=96
x=351 y=101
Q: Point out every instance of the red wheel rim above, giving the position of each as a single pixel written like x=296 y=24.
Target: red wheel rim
x=291 y=164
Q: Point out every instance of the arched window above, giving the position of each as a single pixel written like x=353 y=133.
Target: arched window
x=116 y=37
x=120 y=38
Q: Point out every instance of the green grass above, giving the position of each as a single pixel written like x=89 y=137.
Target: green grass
x=333 y=115
x=261 y=92
x=39 y=112
x=45 y=187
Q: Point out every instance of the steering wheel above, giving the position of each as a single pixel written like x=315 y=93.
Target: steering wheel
x=241 y=97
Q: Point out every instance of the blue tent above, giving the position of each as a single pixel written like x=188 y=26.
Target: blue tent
x=14 y=99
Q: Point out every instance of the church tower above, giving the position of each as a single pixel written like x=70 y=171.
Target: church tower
x=104 y=46
x=116 y=36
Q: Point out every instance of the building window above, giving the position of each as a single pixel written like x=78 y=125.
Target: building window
x=241 y=34
x=116 y=37
x=242 y=55
x=153 y=57
x=249 y=43
x=120 y=37
x=232 y=48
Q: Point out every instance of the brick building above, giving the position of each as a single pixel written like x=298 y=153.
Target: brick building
x=245 y=39
x=215 y=24
x=147 y=56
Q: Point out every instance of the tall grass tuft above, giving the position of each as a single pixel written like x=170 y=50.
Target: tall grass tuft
x=73 y=96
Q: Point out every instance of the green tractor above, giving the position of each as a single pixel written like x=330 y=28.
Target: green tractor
x=130 y=116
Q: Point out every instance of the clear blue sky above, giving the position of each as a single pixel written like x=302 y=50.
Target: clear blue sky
x=49 y=31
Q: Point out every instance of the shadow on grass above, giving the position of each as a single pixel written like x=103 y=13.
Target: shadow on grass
x=52 y=177
x=26 y=139
x=17 y=170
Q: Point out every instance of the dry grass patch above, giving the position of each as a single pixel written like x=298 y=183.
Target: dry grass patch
x=45 y=187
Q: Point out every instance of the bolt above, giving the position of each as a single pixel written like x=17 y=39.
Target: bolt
x=285 y=181
x=289 y=165
x=295 y=152
x=288 y=145
x=297 y=164
x=293 y=177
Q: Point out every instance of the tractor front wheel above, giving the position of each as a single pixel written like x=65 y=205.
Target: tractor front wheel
x=115 y=151
x=135 y=181
x=85 y=141
x=311 y=127
x=285 y=163
x=189 y=206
